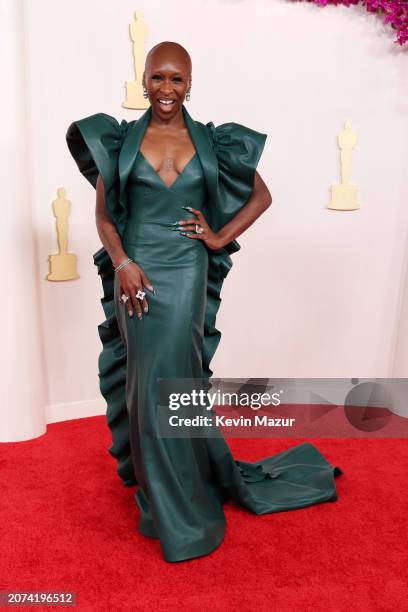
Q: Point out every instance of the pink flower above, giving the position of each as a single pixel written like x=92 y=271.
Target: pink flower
x=395 y=13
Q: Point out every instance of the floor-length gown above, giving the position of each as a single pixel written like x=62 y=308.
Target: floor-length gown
x=182 y=482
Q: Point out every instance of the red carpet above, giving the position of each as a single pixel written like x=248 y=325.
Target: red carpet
x=68 y=524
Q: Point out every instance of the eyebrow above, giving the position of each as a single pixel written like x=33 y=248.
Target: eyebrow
x=160 y=72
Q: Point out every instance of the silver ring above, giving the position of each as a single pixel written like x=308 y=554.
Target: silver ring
x=124 y=298
x=198 y=229
x=140 y=294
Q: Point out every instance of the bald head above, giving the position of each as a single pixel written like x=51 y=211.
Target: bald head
x=168 y=50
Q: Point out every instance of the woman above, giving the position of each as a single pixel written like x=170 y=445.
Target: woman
x=172 y=194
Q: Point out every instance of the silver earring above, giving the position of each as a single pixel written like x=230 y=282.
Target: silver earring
x=145 y=94
x=188 y=95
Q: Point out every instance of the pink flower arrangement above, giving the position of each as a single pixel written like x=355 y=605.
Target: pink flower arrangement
x=395 y=12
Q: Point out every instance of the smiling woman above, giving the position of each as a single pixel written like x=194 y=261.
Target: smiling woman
x=146 y=173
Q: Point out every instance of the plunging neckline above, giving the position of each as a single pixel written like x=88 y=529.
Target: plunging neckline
x=158 y=175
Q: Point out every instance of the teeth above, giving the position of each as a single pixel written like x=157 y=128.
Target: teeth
x=166 y=101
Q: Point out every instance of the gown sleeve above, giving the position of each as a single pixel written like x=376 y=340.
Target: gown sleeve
x=95 y=143
x=238 y=149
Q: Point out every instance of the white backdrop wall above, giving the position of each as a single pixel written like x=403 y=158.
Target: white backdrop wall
x=313 y=292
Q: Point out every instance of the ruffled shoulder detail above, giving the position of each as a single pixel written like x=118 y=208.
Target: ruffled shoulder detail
x=95 y=143
x=238 y=149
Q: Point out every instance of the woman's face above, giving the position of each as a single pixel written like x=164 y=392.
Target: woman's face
x=167 y=79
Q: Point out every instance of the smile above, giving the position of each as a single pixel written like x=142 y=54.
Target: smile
x=166 y=102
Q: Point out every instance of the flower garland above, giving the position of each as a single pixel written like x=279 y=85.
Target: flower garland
x=395 y=12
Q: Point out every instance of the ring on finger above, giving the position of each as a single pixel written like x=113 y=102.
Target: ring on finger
x=140 y=294
x=124 y=298
x=198 y=229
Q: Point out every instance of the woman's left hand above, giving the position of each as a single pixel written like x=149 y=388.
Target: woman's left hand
x=198 y=229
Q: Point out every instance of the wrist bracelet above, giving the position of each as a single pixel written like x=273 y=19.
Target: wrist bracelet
x=123 y=264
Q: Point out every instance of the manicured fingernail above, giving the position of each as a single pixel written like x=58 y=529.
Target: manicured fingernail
x=186 y=207
x=175 y=229
x=176 y=223
x=139 y=314
x=145 y=309
x=130 y=313
x=150 y=288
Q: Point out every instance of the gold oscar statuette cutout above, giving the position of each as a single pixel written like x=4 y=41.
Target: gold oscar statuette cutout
x=344 y=196
x=134 y=89
x=63 y=264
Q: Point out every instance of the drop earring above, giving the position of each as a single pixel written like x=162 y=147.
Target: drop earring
x=188 y=95
x=145 y=94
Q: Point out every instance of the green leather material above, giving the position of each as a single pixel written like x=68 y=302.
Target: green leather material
x=183 y=483
x=229 y=155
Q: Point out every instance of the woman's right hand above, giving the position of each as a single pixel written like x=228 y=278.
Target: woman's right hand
x=131 y=280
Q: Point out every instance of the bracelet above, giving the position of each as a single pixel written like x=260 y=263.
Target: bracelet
x=123 y=264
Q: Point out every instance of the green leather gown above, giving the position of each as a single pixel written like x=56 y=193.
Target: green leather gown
x=182 y=482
